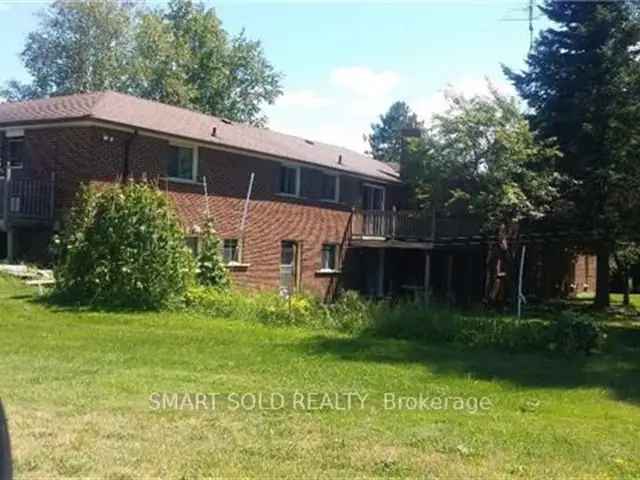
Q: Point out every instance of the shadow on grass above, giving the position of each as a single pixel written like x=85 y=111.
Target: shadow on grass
x=618 y=371
x=60 y=304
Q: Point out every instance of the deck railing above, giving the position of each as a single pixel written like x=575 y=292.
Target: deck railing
x=413 y=225
x=392 y=224
x=26 y=199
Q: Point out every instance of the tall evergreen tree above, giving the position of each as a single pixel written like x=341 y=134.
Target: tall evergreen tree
x=582 y=83
x=385 y=140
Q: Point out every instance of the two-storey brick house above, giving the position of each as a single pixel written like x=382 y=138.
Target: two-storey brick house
x=300 y=206
x=291 y=212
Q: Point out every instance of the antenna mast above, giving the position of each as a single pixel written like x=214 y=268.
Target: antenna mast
x=530 y=18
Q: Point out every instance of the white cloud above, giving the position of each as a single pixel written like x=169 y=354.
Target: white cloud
x=364 y=82
x=426 y=107
x=303 y=99
x=342 y=110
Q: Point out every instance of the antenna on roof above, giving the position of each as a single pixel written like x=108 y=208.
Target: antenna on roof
x=214 y=131
x=340 y=159
x=531 y=17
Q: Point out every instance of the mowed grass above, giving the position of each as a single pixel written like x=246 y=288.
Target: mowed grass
x=77 y=386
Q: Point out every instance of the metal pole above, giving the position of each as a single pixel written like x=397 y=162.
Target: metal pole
x=520 y=276
x=245 y=213
x=206 y=197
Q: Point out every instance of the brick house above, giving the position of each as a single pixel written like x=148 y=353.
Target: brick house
x=300 y=207
x=315 y=217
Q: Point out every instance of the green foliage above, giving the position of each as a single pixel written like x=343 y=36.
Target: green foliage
x=123 y=246
x=268 y=308
x=408 y=320
x=569 y=333
x=179 y=55
x=480 y=157
x=573 y=332
x=211 y=270
x=78 y=47
x=582 y=83
x=385 y=140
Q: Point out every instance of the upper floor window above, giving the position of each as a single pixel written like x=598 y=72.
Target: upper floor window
x=330 y=187
x=289 y=180
x=15 y=152
x=372 y=197
x=182 y=163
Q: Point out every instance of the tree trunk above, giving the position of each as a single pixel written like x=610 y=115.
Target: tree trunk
x=602 y=277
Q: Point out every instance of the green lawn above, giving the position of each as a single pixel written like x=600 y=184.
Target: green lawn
x=77 y=389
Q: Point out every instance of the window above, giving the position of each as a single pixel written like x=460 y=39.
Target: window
x=182 y=163
x=329 y=257
x=230 y=251
x=192 y=243
x=289 y=180
x=329 y=187
x=373 y=197
x=289 y=280
x=15 y=152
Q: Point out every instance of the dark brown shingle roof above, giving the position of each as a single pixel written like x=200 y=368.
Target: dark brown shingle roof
x=173 y=121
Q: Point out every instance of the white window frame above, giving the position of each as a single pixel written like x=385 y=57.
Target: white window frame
x=195 y=158
x=336 y=177
x=15 y=138
x=336 y=267
x=298 y=170
x=238 y=261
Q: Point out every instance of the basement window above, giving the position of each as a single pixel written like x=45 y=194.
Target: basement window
x=193 y=243
x=329 y=257
x=231 y=251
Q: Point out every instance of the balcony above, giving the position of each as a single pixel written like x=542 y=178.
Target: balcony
x=411 y=229
x=26 y=201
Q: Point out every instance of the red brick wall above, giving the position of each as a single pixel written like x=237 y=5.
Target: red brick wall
x=585 y=273
x=80 y=154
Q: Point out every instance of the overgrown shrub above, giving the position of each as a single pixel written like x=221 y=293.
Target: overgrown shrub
x=123 y=246
x=573 y=332
x=407 y=320
x=210 y=267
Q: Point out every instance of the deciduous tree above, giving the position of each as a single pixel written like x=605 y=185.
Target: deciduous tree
x=179 y=55
x=480 y=158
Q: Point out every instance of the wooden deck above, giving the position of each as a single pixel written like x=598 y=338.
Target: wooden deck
x=412 y=229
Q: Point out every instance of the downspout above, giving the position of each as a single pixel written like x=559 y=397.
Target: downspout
x=126 y=166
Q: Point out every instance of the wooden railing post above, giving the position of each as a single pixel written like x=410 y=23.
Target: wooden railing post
x=394 y=219
x=7 y=187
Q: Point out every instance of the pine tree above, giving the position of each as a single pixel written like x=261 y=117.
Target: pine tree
x=385 y=139
x=582 y=83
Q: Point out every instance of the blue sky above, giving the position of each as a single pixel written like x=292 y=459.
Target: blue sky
x=345 y=62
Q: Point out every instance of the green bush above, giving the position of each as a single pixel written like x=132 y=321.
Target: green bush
x=406 y=320
x=573 y=332
x=123 y=246
x=210 y=267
